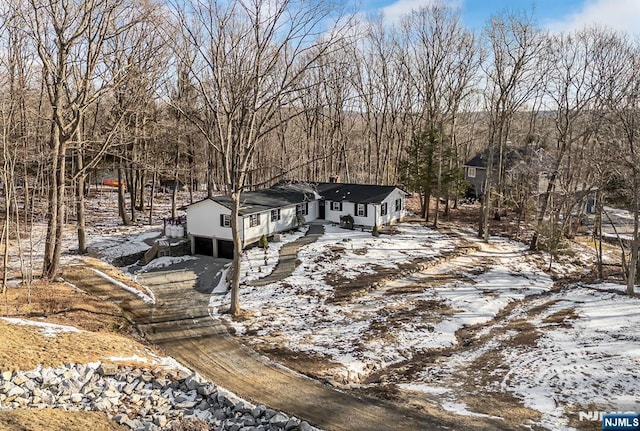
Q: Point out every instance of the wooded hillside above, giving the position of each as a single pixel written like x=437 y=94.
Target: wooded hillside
x=234 y=95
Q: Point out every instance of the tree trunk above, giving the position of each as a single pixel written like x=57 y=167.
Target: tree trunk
x=234 y=309
x=633 y=265
x=153 y=193
x=80 y=213
x=598 y=234
x=122 y=209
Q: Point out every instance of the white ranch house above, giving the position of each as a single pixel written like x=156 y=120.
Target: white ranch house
x=274 y=210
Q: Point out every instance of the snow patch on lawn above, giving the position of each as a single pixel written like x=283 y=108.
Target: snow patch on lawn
x=461 y=409
x=46 y=329
x=127 y=242
x=299 y=311
x=592 y=359
x=164 y=261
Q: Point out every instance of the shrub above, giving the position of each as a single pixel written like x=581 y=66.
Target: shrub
x=375 y=231
x=264 y=242
x=347 y=221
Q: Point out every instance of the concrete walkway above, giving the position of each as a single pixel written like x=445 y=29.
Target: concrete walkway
x=288 y=260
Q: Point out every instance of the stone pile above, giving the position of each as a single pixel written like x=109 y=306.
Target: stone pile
x=141 y=399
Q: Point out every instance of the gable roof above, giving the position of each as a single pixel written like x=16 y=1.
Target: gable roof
x=267 y=199
x=511 y=156
x=357 y=193
x=287 y=193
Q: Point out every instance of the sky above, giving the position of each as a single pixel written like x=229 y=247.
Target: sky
x=554 y=15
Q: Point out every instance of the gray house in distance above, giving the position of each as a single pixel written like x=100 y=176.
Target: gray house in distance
x=475 y=169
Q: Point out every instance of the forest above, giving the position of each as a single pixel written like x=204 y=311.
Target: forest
x=230 y=96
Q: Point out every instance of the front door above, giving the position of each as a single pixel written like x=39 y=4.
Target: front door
x=321 y=210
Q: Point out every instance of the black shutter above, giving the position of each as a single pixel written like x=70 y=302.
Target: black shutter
x=222 y=220
x=306 y=208
x=258 y=219
x=340 y=205
x=365 y=209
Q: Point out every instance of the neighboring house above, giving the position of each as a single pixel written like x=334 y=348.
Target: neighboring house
x=515 y=161
x=277 y=209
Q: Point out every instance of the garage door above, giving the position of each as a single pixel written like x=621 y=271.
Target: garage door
x=203 y=245
x=225 y=249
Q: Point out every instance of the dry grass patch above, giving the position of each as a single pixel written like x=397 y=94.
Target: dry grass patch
x=526 y=334
x=51 y=419
x=113 y=272
x=25 y=347
x=503 y=405
x=64 y=304
x=561 y=318
x=314 y=365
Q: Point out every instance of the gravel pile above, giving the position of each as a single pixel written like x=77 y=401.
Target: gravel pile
x=141 y=399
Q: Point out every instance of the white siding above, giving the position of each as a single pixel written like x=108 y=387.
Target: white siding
x=369 y=220
x=373 y=211
x=314 y=207
x=203 y=219
x=334 y=216
x=267 y=227
x=392 y=215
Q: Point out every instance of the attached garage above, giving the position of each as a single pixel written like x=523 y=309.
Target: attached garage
x=203 y=245
x=225 y=249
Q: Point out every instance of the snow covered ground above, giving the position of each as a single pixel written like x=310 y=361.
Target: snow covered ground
x=584 y=351
x=594 y=358
x=256 y=263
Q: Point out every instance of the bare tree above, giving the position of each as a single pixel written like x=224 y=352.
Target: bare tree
x=572 y=90
x=70 y=38
x=624 y=129
x=514 y=48
x=442 y=61
x=252 y=56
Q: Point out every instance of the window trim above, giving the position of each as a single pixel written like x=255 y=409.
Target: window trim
x=275 y=214
x=471 y=172
x=336 y=206
x=302 y=209
x=361 y=210
x=225 y=220
x=399 y=204
x=384 y=209
x=254 y=220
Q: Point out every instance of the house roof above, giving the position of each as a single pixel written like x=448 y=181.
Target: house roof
x=267 y=199
x=511 y=156
x=358 y=193
x=288 y=193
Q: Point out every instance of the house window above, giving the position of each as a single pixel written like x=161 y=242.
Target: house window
x=471 y=172
x=384 y=209
x=275 y=215
x=302 y=209
x=225 y=220
x=361 y=210
x=254 y=220
x=398 y=204
x=336 y=206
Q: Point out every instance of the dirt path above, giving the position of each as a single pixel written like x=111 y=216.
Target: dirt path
x=180 y=325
